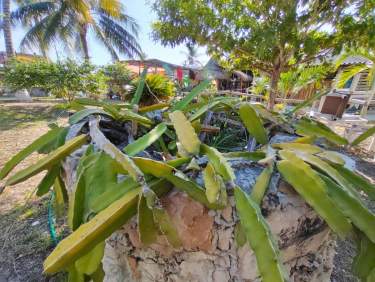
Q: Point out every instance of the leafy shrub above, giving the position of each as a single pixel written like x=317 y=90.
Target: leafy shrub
x=118 y=77
x=63 y=79
x=157 y=88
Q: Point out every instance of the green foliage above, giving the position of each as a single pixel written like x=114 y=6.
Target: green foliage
x=146 y=140
x=35 y=146
x=313 y=190
x=181 y=105
x=157 y=88
x=118 y=77
x=269 y=36
x=259 y=238
x=364 y=262
x=63 y=79
x=315 y=128
x=185 y=132
x=140 y=82
x=303 y=77
x=368 y=133
x=253 y=123
x=48 y=161
x=113 y=185
x=350 y=71
x=261 y=184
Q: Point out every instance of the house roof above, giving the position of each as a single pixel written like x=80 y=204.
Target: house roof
x=155 y=63
x=356 y=60
x=215 y=71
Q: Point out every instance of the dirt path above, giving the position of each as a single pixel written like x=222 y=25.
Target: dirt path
x=24 y=238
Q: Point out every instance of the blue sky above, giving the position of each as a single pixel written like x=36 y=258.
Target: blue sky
x=142 y=12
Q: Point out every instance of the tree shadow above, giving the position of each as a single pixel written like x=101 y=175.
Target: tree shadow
x=20 y=116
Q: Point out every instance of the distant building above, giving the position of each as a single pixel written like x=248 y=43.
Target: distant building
x=357 y=92
x=160 y=67
x=236 y=80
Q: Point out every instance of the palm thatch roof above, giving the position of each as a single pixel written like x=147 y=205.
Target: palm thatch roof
x=213 y=70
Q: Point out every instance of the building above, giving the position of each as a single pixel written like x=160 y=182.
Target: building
x=358 y=93
x=226 y=80
x=161 y=67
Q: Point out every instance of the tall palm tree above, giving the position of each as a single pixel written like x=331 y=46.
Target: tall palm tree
x=6 y=25
x=70 y=21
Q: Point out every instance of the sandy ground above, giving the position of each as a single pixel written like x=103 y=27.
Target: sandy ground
x=24 y=237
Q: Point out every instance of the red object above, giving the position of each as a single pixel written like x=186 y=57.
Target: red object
x=179 y=74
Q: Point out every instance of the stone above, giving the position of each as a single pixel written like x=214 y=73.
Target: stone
x=220 y=276
x=225 y=236
x=226 y=213
x=191 y=219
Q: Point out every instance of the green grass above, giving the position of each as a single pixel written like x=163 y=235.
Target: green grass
x=12 y=116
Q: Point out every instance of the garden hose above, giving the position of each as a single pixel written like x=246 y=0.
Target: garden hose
x=52 y=220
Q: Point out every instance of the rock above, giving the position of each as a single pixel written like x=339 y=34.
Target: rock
x=35 y=223
x=227 y=213
x=191 y=219
x=23 y=95
x=220 y=276
x=225 y=236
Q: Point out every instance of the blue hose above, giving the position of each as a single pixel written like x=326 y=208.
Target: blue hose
x=52 y=220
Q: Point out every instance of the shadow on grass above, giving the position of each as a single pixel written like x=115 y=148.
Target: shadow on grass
x=12 y=116
x=25 y=243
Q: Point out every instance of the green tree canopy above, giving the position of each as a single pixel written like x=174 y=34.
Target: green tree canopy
x=267 y=35
x=63 y=79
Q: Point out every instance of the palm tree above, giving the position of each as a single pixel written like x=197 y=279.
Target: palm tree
x=70 y=21
x=6 y=25
x=353 y=70
x=304 y=78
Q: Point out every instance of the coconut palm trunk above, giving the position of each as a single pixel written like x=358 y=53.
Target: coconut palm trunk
x=7 y=29
x=84 y=43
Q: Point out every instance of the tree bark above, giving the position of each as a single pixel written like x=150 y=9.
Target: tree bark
x=7 y=29
x=85 y=47
x=275 y=76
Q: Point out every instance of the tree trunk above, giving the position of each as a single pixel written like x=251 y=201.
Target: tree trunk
x=85 y=47
x=275 y=76
x=7 y=29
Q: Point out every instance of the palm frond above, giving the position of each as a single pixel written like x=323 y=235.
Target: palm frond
x=121 y=38
x=34 y=36
x=33 y=12
x=81 y=7
x=111 y=7
x=100 y=35
x=124 y=20
x=371 y=75
x=348 y=73
x=56 y=20
x=343 y=57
